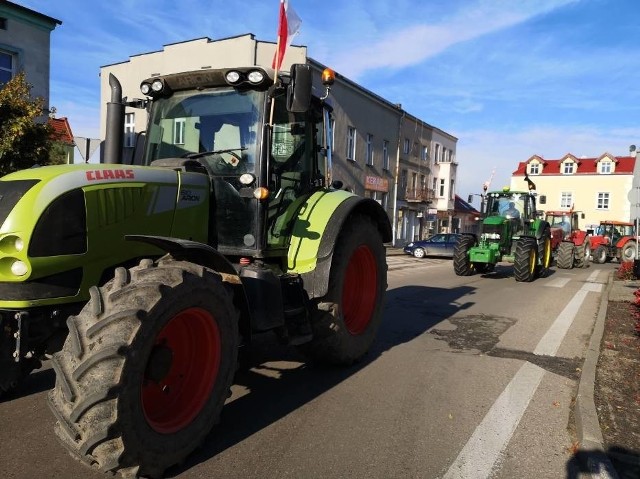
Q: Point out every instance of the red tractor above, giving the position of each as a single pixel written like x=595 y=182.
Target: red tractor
x=614 y=239
x=571 y=245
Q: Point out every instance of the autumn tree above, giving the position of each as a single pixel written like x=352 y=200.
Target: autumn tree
x=25 y=140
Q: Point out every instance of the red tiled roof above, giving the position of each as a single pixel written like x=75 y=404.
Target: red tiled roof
x=61 y=130
x=586 y=166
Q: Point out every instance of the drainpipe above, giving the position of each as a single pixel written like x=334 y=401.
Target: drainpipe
x=394 y=226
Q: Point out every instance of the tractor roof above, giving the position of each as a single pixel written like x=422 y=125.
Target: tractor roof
x=616 y=223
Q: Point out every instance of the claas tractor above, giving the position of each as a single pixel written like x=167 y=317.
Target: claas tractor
x=145 y=280
x=614 y=240
x=511 y=232
x=570 y=245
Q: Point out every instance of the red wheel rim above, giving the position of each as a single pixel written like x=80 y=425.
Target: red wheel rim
x=360 y=290
x=172 y=402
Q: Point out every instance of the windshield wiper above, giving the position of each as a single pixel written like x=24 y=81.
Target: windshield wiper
x=213 y=152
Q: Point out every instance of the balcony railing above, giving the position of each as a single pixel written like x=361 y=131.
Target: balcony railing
x=419 y=195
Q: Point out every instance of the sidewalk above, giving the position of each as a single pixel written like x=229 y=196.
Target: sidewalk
x=591 y=443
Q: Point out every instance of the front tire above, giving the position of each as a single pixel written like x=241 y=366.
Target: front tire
x=566 y=255
x=544 y=252
x=347 y=318
x=418 y=253
x=526 y=259
x=600 y=255
x=461 y=262
x=146 y=368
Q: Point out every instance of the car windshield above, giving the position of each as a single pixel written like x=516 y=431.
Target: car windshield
x=219 y=127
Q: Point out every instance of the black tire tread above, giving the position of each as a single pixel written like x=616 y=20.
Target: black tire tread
x=521 y=265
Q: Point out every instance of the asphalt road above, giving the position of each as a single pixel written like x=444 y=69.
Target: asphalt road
x=469 y=377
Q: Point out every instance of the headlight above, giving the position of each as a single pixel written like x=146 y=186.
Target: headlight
x=19 y=268
x=256 y=77
x=19 y=244
x=145 y=88
x=157 y=86
x=233 y=77
x=409 y=245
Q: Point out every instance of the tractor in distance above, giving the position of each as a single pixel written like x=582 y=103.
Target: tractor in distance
x=570 y=245
x=512 y=232
x=614 y=240
x=146 y=280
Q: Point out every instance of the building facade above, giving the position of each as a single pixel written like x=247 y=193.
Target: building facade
x=380 y=150
x=599 y=187
x=25 y=46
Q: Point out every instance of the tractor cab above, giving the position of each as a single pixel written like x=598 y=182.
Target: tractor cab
x=261 y=142
x=512 y=208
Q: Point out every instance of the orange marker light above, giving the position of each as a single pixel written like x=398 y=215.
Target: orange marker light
x=328 y=76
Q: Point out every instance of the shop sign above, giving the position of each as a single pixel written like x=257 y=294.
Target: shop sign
x=376 y=183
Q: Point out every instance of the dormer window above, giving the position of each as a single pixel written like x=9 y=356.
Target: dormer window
x=606 y=167
x=568 y=168
x=534 y=169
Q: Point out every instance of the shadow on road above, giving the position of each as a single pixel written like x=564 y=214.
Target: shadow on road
x=626 y=463
x=276 y=388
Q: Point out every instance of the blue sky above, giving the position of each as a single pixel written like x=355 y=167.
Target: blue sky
x=508 y=78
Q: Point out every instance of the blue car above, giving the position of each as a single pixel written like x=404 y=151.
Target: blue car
x=437 y=245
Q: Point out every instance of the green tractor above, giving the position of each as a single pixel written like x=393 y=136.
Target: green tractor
x=512 y=232
x=144 y=281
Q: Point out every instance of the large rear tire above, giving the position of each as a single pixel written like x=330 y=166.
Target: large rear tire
x=146 y=368
x=566 y=255
x=461 y=262
x=345 y=321
x=526 y=260
x=628 y=252
x=582 y=254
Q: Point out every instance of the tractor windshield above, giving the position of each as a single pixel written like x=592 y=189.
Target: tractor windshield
x=511 y=205
x=219 y=127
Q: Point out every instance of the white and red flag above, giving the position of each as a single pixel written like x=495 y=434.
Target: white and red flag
x=288 y=27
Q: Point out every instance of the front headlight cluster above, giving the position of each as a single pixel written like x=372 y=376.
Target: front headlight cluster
x=491 y=236
x=236 y=77
x=10 y=246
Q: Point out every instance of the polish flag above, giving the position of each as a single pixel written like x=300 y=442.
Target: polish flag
x=288 y=27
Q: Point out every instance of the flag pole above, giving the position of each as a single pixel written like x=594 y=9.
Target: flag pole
x=277 y=60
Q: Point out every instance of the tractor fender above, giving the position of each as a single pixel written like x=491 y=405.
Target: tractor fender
x=541 y=226
x=192 y=251
x=205 y=255
x=624 y=240
x=316 y=230
x=579 y=237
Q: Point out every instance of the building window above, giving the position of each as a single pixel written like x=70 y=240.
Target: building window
x=351 y=143
x=406 y=147
x=129 y=130
x=385 y=154
x=369 y=149
x=424 y=153
x=452 y=189
x=441 y=193
x=605 y=167
x=435 y=183
x=3 y=23
x=437 y=154
x=534 y=169
x=566 y=199
x=603 y=201
x=178 y=131
x=403 y=180
x=7 y=66
x=385 y=200
x=568 y=168
x=444 y=154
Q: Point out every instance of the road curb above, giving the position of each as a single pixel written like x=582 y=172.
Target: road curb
x=591 y=443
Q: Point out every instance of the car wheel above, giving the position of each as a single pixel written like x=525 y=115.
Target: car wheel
x=418 y=253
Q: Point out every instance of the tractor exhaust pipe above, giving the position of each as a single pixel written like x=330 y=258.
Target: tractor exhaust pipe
x=114 y=140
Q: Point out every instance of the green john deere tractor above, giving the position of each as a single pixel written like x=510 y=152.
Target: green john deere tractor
x=512 y=232
x=145 y=280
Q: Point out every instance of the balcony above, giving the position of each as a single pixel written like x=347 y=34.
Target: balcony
x=419 y=195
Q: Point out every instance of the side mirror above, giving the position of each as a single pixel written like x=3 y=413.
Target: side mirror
x=543 y=199
x=299 y=90
x=470 y=199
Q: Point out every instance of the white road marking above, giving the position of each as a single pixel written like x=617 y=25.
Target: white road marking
x=484 y=449
x=558 y=283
